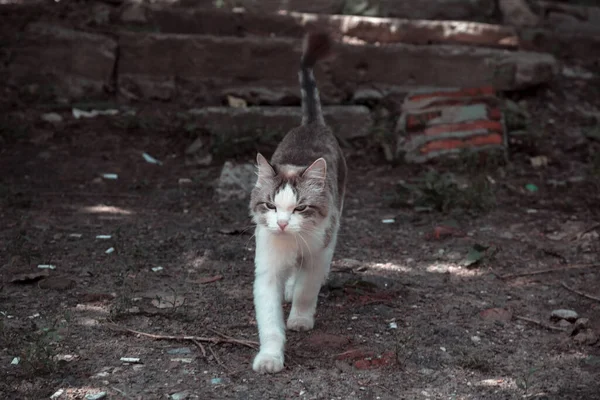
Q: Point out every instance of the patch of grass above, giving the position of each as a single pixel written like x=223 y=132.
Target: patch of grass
x=441 y=192
x=39 y=354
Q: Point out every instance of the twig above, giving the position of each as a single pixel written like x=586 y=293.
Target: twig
x=539 y=323
x=215 y=340
x=200 y=346
x=217 y=359
x=548 y=271
x=588 y=296
x=583 y=232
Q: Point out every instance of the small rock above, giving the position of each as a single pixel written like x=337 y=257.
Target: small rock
x=52 y=117
x=587 y=336
x=568 y=315
x=180 y=395
x=580 y=325
x=563 y=323
x=95 y=396
x=475 y=339
x=216 y=381
x=236 y=181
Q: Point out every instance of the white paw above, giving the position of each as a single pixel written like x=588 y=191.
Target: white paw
x=268 y=362
x=300 y=323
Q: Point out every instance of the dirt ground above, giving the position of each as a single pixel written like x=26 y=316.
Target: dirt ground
x=401 y=317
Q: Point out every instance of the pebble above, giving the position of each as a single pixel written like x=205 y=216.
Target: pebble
x=475 y=339
x=52 y=117
x=180 y=395
x=95 y=396
x=568 y=315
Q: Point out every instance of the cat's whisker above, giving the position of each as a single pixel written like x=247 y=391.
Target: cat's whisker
x=307 y=246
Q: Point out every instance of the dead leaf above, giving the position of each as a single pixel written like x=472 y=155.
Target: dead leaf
x=30 y=277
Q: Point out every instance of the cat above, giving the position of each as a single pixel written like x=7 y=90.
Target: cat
x=296 y=205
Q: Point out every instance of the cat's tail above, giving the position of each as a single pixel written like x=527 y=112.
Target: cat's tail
x=316 y=46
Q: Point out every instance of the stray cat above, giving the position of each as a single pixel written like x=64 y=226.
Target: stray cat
x=296 y=206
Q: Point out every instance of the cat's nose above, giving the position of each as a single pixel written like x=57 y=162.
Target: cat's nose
x=282 y=224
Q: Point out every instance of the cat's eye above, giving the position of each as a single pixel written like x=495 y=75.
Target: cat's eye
x=300 y=208
x=270 y=206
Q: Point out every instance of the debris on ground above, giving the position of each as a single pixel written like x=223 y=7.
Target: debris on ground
x=150 y=159
x=77 y=113
x=443 y=122
x=46 y=266
x=180 y=350
x=95 y=396
x=236 y=181
x=130 y=360
x=157 y=269
x=209 y=279
x=15 y=361
x=567 y=315
x=180 y=395
x=110 y=176
x=57 y=394
x=52 y=117
x=477 y=253
x=103 y=237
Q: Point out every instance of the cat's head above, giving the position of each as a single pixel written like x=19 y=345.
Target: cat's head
x=290 y=199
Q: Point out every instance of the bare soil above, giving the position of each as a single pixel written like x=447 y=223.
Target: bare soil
x=401 y=316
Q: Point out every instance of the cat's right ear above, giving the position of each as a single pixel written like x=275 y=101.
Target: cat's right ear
x=265 y=170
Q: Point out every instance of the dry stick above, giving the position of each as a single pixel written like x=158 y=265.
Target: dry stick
x=587 y=296
x=200 y=346
x=547 y=271
x=214 y=340
x=539 y=323
x=217 y=359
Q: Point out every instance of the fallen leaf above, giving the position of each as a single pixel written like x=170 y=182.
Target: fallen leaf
x=30 y=277
x=475 y=254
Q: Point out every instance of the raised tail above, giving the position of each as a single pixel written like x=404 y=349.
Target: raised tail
x=316 y=47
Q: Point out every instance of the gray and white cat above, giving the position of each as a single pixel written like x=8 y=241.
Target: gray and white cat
x=296 y=206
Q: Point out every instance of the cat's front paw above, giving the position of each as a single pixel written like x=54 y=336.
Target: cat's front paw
x=300 y=323
x=268 y=362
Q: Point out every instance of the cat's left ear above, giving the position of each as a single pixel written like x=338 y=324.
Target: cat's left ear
x=316 y=171
x=265 y=170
